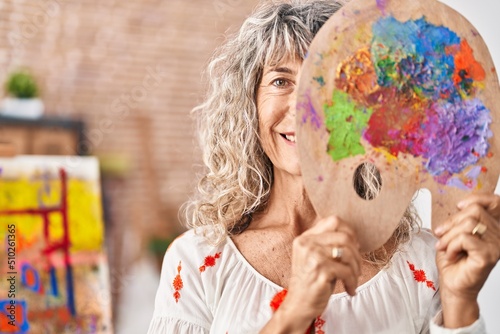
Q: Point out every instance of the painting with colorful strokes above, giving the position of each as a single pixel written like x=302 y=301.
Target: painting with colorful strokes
x=52 y=233
x=410 y=87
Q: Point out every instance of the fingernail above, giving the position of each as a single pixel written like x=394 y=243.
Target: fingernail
x=438 y=230
x=461 y=204
x=438 y=244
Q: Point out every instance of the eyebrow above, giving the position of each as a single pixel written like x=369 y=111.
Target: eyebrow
x=280 y=70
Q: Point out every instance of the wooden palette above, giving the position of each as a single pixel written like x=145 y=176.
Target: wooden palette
x=410 y=87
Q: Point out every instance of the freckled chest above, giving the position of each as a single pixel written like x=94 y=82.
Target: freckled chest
x=269 y=252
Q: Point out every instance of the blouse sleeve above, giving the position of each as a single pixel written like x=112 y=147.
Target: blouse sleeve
x=181 y=303
x=478 y=327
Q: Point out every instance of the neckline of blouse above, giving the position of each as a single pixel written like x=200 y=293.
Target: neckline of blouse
x=267 y=281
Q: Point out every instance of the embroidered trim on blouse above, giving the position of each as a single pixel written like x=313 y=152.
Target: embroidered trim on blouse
x=280 y=297
x=177 y=283
x=419 y=276
x=209 y=261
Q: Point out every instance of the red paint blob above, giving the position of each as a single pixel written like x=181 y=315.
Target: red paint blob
x=30 y=278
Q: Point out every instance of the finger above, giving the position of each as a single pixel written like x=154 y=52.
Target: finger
x=327 y=242
x=314 y=254
x=474 y=211
x=465 y=226
x=337 y=239
x=343 y=272
x=351 y=258
x=463 y=243
x=333 y=224
x=490 y=202
x=471 y=211
x=477 y=251
x=341 y=240
x=349 y=262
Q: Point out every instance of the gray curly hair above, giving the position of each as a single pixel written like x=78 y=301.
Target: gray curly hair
x=239 y=175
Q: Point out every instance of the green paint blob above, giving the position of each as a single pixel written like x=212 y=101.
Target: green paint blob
x=345 y=122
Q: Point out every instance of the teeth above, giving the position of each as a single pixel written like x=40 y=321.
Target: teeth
x=290 y=138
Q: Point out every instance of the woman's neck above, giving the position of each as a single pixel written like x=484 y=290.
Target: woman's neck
x=288 y=205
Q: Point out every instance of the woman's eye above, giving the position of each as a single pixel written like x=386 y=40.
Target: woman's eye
x=280 y=83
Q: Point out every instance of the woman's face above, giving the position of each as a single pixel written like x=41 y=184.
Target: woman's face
x=276 y=108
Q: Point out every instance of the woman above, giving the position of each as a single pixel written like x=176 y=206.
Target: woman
x=258 y=258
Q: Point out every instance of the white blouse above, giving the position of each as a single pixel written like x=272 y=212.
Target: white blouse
x=205 y=289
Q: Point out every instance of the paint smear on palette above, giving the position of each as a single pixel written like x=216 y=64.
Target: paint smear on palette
x=320 y=80
x=413 y=90
x=382 y=4
x=309 y=113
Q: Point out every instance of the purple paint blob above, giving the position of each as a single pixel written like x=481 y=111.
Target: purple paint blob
x=457 y=136
x=474 y=172
x=457 y=183
x=382 y=4
x=309 y=113
x=470 y=181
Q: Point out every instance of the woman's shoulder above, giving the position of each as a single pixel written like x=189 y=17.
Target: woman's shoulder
x=188 y=279
x=193 y=238
x=195 y=249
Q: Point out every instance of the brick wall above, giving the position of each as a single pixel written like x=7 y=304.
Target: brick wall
x=132 y=70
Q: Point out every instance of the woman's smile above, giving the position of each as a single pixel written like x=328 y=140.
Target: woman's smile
x=289 y=138
x=276 y=108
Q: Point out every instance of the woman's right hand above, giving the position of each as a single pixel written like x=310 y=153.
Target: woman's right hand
x=315 y=272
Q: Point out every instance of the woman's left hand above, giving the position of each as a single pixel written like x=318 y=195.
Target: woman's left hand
x=467 y=251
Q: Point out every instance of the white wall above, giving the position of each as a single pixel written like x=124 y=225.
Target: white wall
x=484 y=15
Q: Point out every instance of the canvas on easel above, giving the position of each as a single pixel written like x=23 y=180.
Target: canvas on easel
x=52 y=233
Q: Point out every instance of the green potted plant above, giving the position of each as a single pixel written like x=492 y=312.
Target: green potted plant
x=22 y=99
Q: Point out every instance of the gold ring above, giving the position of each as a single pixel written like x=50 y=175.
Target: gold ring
x=337 y=253
x=480 y=229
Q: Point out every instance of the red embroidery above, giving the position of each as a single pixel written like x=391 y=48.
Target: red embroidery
x=209 y=262
x=278 y=299
x=318 y=324
x=177 y=283
x=420 y=276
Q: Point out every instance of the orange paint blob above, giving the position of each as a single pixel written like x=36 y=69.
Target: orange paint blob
x=6 y=326
x=357 y=77
x=466 y=66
